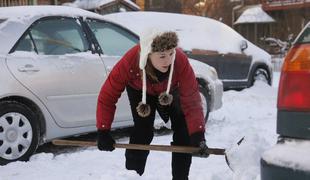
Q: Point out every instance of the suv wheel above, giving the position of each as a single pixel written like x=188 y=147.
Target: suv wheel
x=260 y=74
x=19 y=132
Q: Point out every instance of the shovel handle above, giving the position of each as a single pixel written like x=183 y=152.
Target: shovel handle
x=178 y=149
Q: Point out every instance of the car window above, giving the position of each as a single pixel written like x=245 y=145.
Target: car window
x=25 y=44
x=305 y=36
x=59 y=36
x=114 y=40
x=2 y=20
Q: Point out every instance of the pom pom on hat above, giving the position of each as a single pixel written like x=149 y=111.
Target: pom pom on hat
x=165 y=99
x=143 y=110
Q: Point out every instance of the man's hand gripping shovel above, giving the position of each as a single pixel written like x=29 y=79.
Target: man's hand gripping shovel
x=196 y=151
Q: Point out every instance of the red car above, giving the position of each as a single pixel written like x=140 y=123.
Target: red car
x=289 y=159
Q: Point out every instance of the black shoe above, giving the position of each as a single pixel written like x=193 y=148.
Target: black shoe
x=135 y=165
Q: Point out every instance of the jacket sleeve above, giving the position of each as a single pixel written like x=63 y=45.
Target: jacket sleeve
x=189 y=96
x=112 y=90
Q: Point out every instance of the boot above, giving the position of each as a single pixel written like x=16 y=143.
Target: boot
x=136 y=160
x=180 y=166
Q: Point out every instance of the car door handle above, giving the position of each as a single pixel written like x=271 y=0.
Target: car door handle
x=28 y=68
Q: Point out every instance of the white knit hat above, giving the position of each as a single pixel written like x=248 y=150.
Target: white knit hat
x=146 y=40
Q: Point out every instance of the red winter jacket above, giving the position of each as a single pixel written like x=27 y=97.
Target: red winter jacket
x=127 y=72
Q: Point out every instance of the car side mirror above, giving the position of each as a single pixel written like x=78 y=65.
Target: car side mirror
x=243 y=45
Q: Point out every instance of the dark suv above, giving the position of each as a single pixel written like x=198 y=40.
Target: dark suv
x=289 y=159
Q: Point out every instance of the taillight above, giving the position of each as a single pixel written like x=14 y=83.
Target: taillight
x=294 y=87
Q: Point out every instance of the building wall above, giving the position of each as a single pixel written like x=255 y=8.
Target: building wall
x=217 y=9
x=188 y=7
x=46 y=2
x=173 y=6
x=289 y=22
x=64 y=1
x=4 y=3
x=140 y=3
x=220 y=10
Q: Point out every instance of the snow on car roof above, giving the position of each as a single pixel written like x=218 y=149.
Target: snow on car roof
x=185 y=26
x=95 y=3
x=27 y=12
x=194 y=31
x=15 y=20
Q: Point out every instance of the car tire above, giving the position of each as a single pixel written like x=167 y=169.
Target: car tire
x=205 y=100
x=19 y=132
x=260 y=74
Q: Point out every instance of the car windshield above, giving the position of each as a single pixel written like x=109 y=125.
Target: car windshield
x=304 y=37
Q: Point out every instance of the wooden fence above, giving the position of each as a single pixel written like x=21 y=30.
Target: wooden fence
x=4 y=3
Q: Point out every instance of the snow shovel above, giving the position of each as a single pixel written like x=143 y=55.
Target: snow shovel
x=196 y=151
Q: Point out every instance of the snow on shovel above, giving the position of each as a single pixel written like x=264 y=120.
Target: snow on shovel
x=196 y=151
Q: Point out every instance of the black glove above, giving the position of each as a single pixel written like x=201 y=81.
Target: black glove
x=198 y=140
x=105 y=142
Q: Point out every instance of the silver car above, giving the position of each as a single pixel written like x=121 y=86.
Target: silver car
x=53 y=61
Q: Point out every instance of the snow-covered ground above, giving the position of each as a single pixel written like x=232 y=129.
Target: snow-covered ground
x=250 y=113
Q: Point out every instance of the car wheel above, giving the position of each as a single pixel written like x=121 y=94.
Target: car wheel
x=19 y=132
x=205 y=101
x=260 y=74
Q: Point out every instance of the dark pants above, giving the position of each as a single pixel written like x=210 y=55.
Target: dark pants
x=143 y=133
